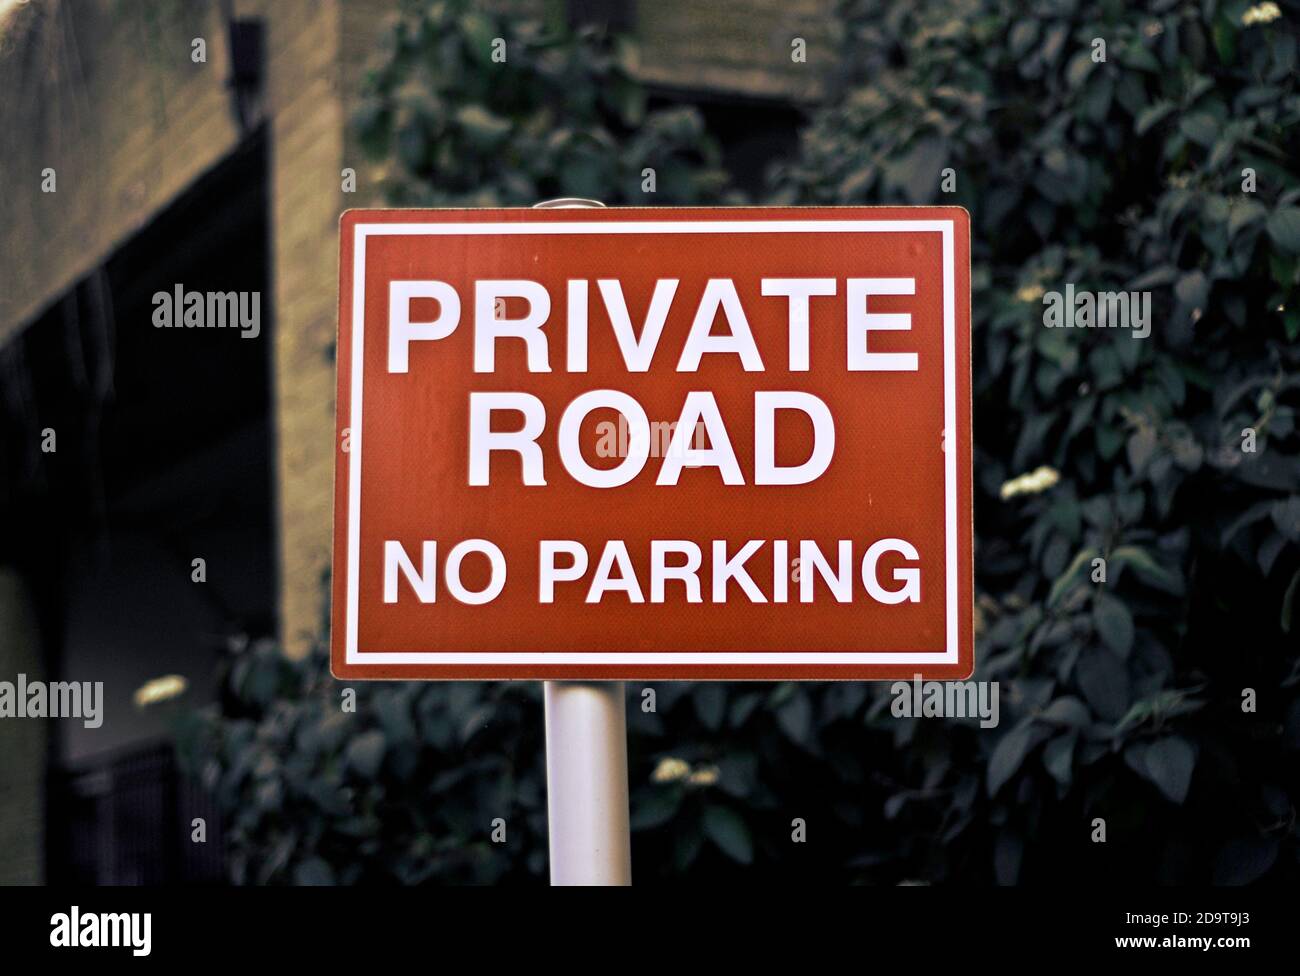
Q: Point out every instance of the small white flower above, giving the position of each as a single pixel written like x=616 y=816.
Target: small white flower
x=159 y=690
x=670 y=770
x=1038 y=480
x=1261 y=13
x=703 y=776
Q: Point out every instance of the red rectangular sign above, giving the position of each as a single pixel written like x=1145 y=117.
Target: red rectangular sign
x=654 y=443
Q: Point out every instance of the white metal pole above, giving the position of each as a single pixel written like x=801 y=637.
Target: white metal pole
x=586 y=765
x=586 y=783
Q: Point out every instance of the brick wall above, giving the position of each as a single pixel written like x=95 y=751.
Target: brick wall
x=112 y=102
x=734 y=46
x=315 y=71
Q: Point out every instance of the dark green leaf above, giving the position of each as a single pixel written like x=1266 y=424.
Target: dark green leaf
x=1114 y=623
x=1169 y=762
x=314 y=871
x=1151 y=115
x=655 y=806
x=1104 y=683
x=1284 y=228
x=365 y=753
x=710 y=703
x=1058 y=758
x=1244 y=860
x=795 y=718
x=725 y=828
x=1009 y=754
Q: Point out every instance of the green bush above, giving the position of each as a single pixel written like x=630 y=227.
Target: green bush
x=400 y=785
x=556 y=114
x=1120 y=700
x=1126 y=698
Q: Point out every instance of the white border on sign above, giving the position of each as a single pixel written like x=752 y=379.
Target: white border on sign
x=947 y=656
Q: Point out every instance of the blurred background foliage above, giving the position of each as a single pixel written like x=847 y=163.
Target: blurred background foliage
x=1120 y=700
x=557 y=113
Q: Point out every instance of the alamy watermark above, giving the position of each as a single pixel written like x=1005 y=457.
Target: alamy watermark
x=75 y=929
x=1078 y=309
x=612 y=439
x=181 y=309
x=946 y=699
x=53 y=699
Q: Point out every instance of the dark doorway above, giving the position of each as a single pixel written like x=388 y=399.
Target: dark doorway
x=163 y=457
